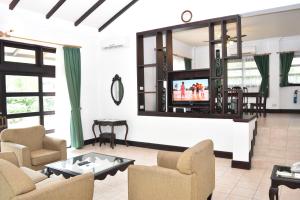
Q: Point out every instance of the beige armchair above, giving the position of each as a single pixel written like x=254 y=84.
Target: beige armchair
x=16 y=184
x=179 y=176
x=33 y=148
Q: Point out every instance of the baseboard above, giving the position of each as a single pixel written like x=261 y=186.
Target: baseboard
x=240 y=164
x=219 y=154
x=289 y=111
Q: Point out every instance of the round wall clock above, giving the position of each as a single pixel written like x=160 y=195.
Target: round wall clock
x=186 y=16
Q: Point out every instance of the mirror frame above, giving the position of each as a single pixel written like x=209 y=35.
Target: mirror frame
x=115 y=79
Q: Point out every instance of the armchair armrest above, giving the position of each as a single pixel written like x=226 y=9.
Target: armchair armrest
x=76 y=188
x=10 y=157
x=22 y=152
x=151 y=182
x=57 y=145
x=168 y=159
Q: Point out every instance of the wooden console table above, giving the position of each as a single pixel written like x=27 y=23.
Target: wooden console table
x=111 y=135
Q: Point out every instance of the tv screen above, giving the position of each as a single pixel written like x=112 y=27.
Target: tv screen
x=192 y=90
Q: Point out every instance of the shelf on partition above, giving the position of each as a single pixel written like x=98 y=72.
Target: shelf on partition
x=150 y=92
x=216 y=41
x=147 y=65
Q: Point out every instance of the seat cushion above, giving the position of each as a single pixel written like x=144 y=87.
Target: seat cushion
x=44 y=156
x=35 y=176
x=13 y=180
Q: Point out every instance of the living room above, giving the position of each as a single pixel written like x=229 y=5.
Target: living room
x=123 y=98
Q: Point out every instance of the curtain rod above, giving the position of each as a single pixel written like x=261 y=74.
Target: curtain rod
x=287 y=52
x=33 y=40
x=262 y=54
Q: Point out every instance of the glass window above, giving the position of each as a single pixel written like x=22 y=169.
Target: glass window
x=244 y=73
x=49 y=103
x=22 y=83
x=22 y=104
x=23 y=122
x=49 y=58
x=49 y=122
x=12 y=54
x=48 y=84
x=294 y=73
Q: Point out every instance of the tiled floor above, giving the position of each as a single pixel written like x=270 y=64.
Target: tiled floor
x=277 y=142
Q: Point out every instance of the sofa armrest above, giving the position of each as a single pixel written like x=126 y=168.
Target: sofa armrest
x=10 y=157
x=22 y=152
x=57 y=145
x=151 y=182
x=76 y=188
x=168 y=159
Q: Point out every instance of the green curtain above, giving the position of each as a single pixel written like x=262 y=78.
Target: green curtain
x=188 y=63
x=73 y=75
x=262 y=63
x=285 y=65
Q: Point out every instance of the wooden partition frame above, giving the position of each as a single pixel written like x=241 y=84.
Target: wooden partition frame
x=162 y=66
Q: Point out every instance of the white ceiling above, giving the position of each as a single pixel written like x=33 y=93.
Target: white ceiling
x=281 y=24
x=71 y=10
x=256 y=25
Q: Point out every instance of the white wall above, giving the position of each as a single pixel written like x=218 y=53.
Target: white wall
x=32 y=25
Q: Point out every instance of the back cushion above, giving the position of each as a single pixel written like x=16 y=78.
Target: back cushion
x=201 y=152
x=13 y=181
x=31 y=137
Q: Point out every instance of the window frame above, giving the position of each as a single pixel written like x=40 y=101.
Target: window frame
x=26 y=69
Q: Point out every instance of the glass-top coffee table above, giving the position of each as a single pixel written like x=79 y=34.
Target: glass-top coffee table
x=99 y=164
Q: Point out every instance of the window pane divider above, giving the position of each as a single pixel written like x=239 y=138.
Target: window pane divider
x=19 y=115
x=21 y=94
x=49 y=112
x=48 y=93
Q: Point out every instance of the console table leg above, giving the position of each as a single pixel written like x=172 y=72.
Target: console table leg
x=126 y=134
x=100 y=138
x=93 y=129
x=112 y=141
x=273 y=192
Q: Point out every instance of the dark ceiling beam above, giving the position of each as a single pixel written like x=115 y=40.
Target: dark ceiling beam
x=55 y=8
x=88 y=12
x=13 y=4
x=117 y=15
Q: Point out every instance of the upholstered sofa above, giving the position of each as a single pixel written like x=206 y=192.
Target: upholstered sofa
x=33 y=148
x=178 y=176
x=23 y=183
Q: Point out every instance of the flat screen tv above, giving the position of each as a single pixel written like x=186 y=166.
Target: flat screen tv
x=191 y=91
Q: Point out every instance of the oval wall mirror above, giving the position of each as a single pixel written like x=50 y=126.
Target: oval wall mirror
x=117 y=89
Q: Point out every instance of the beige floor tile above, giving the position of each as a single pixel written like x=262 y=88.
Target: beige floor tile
x=246 y=192
x=237 y=197
x=219 y=196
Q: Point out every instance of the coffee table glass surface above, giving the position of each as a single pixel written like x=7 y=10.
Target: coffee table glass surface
x=99 y=164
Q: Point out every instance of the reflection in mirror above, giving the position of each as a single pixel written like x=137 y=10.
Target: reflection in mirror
x=190 y=49
x=117 y=89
